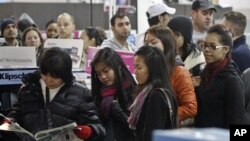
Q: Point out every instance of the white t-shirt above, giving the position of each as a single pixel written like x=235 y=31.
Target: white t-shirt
x=52 y=92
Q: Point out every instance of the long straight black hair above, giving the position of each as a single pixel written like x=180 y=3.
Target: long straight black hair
x=157 y=76
x=157 y=67
x=111 y=58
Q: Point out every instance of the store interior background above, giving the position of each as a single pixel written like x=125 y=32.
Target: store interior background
x=236 y=5
x=139 y=19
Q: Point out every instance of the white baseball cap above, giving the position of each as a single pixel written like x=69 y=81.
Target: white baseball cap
x=159 y=8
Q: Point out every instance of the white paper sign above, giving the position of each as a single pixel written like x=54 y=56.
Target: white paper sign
x=73 y=46
x=17 y=57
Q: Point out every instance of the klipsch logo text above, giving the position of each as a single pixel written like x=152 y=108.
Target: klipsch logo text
x=8 y=76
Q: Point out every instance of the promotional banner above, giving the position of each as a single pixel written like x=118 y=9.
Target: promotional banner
x=127 y=57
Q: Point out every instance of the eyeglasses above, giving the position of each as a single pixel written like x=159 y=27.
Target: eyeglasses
x=210 y=46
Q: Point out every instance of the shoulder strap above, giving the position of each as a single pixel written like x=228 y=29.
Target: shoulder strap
x=171 y=112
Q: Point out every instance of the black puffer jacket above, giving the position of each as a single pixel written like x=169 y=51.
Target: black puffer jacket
x=72 y=103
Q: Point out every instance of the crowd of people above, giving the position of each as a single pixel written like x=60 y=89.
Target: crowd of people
x=188 y=72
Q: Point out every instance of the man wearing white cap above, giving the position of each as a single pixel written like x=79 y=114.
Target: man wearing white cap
x=157 y=13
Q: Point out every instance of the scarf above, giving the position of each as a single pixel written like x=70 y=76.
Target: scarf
x=212 y=69
x=135 y=108
x=108 y=94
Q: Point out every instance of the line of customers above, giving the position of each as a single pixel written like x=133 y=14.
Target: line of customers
x=218 y=99
x=119 y=108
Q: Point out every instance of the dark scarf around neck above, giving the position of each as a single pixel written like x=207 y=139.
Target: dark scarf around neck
x=108 y=94
x=212 y=69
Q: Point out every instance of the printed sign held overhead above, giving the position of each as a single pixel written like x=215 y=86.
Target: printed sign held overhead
x=73 y=46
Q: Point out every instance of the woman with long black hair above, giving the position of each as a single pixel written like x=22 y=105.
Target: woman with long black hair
x=155 y=106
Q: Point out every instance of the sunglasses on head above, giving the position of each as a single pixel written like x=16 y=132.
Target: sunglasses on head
x=91 y=32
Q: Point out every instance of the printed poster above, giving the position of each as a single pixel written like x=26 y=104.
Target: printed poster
x=73 y=46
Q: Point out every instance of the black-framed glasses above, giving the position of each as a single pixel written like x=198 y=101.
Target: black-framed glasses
x=211 y=46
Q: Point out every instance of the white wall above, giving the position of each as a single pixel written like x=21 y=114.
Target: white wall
x=142 y=6
x=142 y=23
x=237 y=4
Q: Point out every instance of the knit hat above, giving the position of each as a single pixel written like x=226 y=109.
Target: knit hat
x=183 y=25
x=5 y=23
x=204 y=4
x=159 y=8
x=23 y=24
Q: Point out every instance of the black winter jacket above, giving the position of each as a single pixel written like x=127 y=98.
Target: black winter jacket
x=246 y=81
x=155 y=114
x=221 y=101
x=241 y=53
x=72 y=103
x=116 y=125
